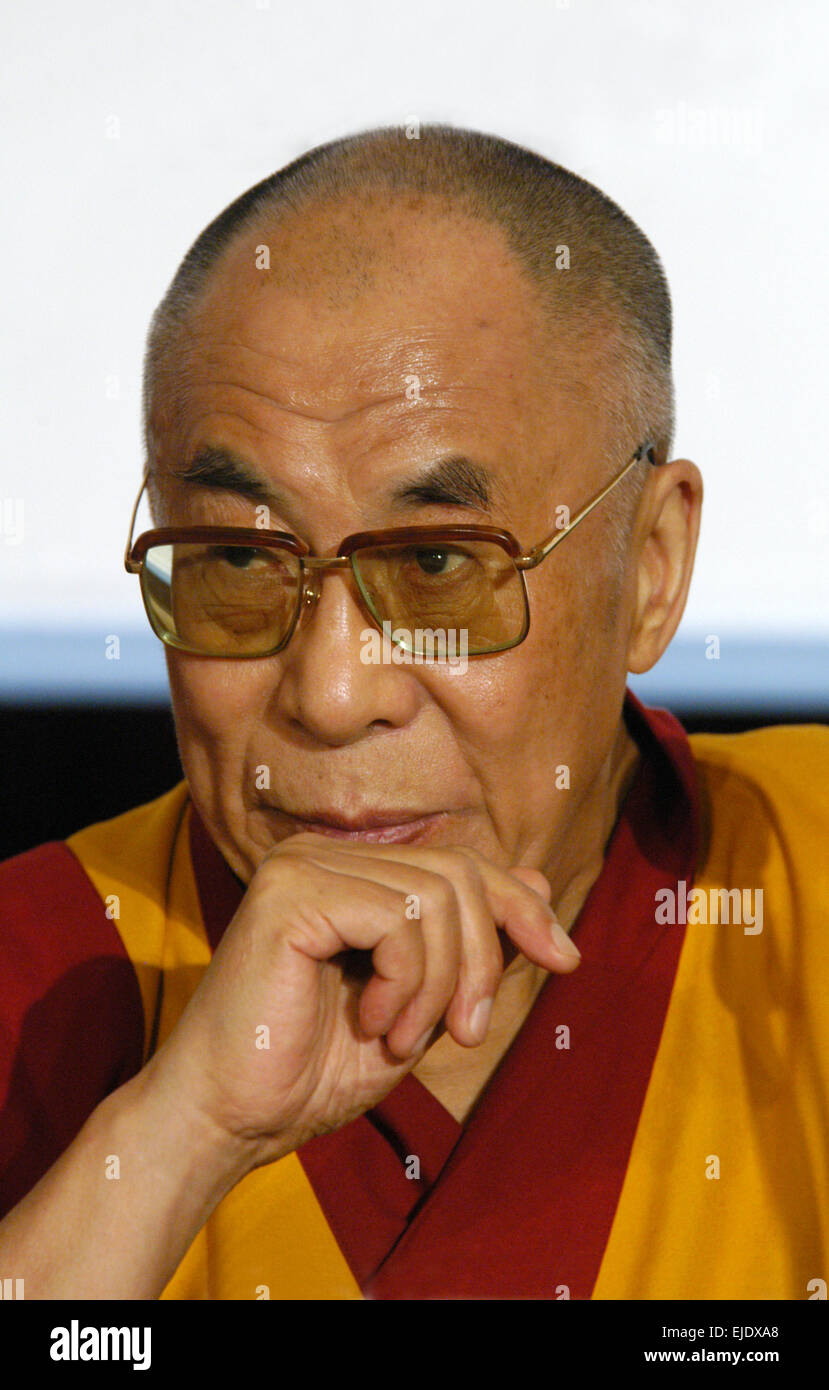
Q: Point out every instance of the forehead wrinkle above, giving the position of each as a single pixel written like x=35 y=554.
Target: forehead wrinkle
x=263 y=396
x=442 y=392
x=388 y=421
x=198 y=383
x=376 y=385
x=369 y=340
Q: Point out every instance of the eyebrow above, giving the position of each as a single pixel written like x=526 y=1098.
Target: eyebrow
x=453 y=481
x=217 y=467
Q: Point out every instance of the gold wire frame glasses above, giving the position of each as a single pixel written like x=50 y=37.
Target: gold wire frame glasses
x=238 y=592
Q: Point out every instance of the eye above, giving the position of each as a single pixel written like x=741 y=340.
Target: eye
x=239 y=556
x=439 y=560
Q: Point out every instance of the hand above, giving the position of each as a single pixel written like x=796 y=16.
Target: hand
x=333 y=975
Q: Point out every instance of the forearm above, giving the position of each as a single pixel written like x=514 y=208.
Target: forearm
x=83 y=1232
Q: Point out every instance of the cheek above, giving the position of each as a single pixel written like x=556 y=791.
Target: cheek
x=504 y=710
x=218 y=706
x=554 y=701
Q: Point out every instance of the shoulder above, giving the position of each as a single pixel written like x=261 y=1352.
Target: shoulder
x=62 y=879
x=776 y=778
x=55 y=913
x=72 y=992
x=144 y=832
x=774 y=756
x=764 y=825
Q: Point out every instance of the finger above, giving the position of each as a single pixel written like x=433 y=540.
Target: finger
x=333 y=912
x=440 y=924
x=534 y=879
x=432 y=910
x=482 y=960
x=395 y=985
x=527 y=919
x=475 y=966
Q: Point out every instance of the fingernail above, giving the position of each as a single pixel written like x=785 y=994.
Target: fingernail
x=421 y=1042
x=563 y=944
x=479 y=1021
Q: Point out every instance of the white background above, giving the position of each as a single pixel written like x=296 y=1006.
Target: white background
x=705 y=121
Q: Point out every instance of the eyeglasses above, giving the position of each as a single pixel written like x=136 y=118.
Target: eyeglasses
x=238 y=592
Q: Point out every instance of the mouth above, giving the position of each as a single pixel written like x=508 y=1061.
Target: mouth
x=373 y=827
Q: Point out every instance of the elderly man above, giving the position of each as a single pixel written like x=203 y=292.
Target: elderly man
x=437 y=977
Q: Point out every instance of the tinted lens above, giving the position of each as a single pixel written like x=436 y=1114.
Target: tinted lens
x=470 y=587
x=221 y=600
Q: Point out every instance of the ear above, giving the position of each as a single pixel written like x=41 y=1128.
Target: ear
x=664 y=544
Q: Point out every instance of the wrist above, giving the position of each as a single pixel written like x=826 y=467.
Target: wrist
x=179 y=1137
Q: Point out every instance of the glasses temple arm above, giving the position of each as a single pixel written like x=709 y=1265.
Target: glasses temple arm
x=129 y=565
x=543 y=549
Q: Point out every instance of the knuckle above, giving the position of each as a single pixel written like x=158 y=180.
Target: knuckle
x=301 y=839
x=537 y=914
x=439 y=896
x=285 y=850
x=274 y=868
x=470 y=859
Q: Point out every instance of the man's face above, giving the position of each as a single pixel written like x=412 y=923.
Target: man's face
x=383 y=339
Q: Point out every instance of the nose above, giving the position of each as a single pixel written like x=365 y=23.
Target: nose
x=328 y=685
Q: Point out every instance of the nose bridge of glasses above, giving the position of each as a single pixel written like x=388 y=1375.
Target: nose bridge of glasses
x=319 y=562
x=312 y=567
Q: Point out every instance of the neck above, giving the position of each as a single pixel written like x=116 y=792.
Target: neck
x=594 y=829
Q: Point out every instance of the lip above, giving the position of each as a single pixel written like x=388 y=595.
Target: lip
x=376 y=827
